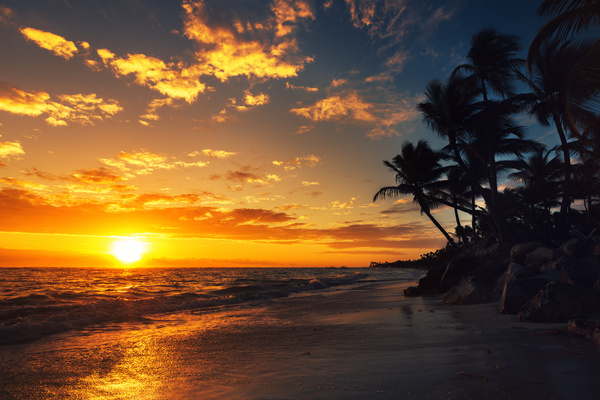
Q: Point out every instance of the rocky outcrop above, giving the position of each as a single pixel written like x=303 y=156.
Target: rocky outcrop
x=539 y=282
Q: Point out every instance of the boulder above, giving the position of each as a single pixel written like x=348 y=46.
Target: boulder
x=467 y=292
x=518 y=292
x=577 y=246
x=539 y=256
x=518 y=251
x=458 y=269
x=556 y=302
x=514 y=271
x=583 y=271
x=589 y=329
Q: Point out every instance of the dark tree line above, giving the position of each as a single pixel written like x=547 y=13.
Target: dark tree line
x=474 y=111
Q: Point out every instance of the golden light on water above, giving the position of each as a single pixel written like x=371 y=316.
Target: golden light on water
x=129 y=250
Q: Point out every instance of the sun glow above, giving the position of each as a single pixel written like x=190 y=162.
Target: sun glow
x=129 y=250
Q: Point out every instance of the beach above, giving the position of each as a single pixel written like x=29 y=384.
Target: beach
x=358 y=342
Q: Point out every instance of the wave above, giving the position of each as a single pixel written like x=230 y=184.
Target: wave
x=31 y=317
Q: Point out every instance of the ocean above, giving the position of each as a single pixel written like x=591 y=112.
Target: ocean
x=36 y=303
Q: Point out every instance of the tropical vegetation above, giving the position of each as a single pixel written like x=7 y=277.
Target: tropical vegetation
x=511 y=187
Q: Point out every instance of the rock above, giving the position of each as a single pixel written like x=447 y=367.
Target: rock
x=514 y=271
x=588 y=329
x=518 y=292
x=577 y=246
x=583 y=271
x=518 y=251
x=556 y=302
x=467 y=292
x=456 y=270
x=431 y=281
x=413 y=291
x=539 y=256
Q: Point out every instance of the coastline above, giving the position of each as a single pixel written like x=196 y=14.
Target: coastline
x=367 y=341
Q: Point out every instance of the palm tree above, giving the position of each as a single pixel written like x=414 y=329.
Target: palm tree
x=493 y=62
x=551 y=70
x=572 y=17
x=541 y=174
x=418 y=171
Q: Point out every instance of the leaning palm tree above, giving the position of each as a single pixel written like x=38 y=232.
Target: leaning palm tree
x=418 y=171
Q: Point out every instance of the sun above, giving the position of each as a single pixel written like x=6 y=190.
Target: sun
x=128 y=250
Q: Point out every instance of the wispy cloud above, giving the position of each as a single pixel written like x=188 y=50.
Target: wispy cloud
x=84 y=109
x=213 y=153
x=49 y=41
x=298 y=162
x=144 y=162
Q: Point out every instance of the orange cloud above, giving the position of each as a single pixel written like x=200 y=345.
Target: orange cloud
x=173 y=80
x=298 y=162
x=228 y=55
x=10 y=149
x=152 y=110
x=143 y=162
x=304 y=88
x=22 y=183
x=97 y=176
x=213 y=153
x=49 y=41
x=83 y=109
x=336 y=108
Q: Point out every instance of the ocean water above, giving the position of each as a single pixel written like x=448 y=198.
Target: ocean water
x=38 y=302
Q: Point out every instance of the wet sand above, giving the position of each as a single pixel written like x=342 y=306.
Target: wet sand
x=365 y=343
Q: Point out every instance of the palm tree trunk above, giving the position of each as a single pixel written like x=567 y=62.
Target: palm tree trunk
x=563 y=220
x=437 y=224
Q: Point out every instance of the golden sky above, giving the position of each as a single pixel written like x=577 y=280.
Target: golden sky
x=223 y=132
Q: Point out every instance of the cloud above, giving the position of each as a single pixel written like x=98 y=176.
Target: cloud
x=171 y=79
x=101 y=175
x=303 y=129
x=22 y=183
x=84 y=109
x=390 y=20
x=213 y=153
x=254 y=101
x=49 y=41
x=11 y=149
x=303 y=88
x=143 y=162
x=6 y=15
x=348 y=106
x=264 y=50
x=249 y=101
x=152 y=109
x=298 y=162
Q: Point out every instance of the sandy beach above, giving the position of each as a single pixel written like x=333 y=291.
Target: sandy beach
x=366 y=342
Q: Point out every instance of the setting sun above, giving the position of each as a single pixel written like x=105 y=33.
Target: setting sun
x=128 y=250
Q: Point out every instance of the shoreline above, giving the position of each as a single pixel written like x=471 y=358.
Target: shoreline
x=367 y=341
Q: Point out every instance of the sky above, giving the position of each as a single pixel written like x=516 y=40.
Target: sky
x=223 y=133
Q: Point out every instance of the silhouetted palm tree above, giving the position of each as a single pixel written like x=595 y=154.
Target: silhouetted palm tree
x=551 y=73
x=493 y=62
x=572 y=17
x=418 y=171
x=541 y=175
